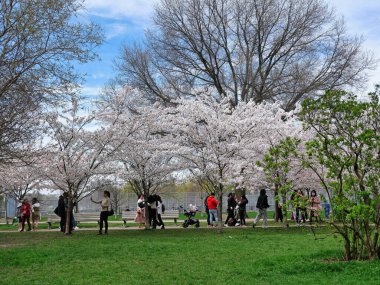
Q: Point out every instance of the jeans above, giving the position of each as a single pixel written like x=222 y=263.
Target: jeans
x=103 y=218
x=262 y=214
x=213 y=214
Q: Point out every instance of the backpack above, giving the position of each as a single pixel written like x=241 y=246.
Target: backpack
x=163 y=208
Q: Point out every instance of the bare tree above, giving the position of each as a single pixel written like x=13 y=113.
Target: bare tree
x=39 y=40
x=259 y=50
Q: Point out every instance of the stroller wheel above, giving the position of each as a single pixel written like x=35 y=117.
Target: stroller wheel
x=185 y=225
x=197 y=225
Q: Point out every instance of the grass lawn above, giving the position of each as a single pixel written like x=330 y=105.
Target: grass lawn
x=237 y=256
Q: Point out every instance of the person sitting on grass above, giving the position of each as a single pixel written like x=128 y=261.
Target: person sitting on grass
x=262 y=205
x=212 y=205
x=105 y=204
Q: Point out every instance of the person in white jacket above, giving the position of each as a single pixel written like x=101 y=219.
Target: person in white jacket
x=160 y=210
x=35 y=213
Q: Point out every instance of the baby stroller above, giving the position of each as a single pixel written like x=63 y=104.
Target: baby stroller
x=189 y=217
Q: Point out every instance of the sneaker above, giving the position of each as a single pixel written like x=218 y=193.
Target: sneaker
x=226 y=225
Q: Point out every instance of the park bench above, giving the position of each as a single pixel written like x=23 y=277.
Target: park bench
x=79 y=218
x=168 y=215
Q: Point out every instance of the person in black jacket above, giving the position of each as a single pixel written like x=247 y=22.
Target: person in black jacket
x=61 y=212
x=262 y=205
x=242 y=209
x=231 y=205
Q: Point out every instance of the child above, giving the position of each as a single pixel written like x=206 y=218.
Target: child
x=262 y=205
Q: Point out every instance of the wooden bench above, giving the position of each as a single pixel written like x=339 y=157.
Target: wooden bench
x=168 y=215
x=51 y=219
x=79 y=218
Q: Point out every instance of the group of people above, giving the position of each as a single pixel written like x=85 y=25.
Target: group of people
x=303 y=209
x=155 y=210
x=61 y=211
x=25 y=211
x=306 y=209
x=236 y=209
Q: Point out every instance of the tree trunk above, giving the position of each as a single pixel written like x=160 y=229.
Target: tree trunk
x=146 y=211
x=68 y=215
x=275 y=203
x=220 y=211
x=284 y=211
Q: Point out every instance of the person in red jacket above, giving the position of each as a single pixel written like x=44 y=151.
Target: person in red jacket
x=212 y=205
x=25 y=214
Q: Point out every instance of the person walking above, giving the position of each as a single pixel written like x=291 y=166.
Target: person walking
x=160 y=210
x=18 y=215
x=207 y=211
x=105 y=205
x=212 y=205
x=300 y=207
x=61 y=212
x=242 y=209
x=262 y=205
x=315 y=207
x=231 y=205
x=152 y=203
x=140 y=211
x=35 y=213
x=25 y=215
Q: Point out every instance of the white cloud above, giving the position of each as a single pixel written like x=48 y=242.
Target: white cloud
x=119 y=9
x=91 y=91
x=115 y=30
x=363 y=18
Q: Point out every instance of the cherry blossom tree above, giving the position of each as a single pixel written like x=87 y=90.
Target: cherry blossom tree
x=145 y=155
x=79 y=149
x=19 y=180
x=218 y=142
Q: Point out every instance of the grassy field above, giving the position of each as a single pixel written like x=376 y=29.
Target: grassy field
x=237 y=256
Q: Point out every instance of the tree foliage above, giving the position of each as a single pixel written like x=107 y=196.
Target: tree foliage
x=347 y=146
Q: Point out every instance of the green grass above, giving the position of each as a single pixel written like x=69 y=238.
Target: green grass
x=237 y=256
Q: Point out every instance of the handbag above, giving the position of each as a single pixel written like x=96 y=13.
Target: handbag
x=56 y=212
x=111 y=212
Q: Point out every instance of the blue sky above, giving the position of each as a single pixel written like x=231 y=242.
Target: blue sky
x=124 y=21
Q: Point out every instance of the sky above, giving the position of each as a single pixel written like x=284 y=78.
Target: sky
x=124 y=22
